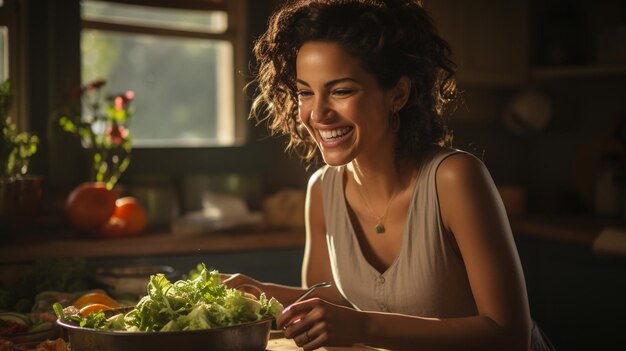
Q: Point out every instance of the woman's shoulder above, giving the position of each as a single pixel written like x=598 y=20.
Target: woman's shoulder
x=459 y=166
x=438 y=156
x=444 y=152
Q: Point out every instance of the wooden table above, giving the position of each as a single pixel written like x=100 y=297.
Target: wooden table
x=278 y=342
x=282 y=344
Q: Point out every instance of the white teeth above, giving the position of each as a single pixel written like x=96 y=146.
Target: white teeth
x=335 y=133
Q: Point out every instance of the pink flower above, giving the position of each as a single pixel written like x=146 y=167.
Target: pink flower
x=116 y=133
x=119 y=103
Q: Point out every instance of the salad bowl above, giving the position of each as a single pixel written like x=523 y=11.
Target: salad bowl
x=200 y=313
x=252 y=336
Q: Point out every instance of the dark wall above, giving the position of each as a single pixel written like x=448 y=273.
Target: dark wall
x=556 y=166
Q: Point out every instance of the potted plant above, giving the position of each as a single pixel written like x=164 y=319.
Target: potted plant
x=103 y=131
x=16 y=149
x=20 y=193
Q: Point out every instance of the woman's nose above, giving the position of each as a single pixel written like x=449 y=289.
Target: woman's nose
x=320 y=110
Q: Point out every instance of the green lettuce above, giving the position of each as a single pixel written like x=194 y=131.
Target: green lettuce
x=202 y=302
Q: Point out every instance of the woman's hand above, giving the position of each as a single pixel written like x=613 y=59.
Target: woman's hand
x=243 y=282
x=315 y=323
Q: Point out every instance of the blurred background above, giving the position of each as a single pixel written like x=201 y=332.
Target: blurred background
x=544 y=106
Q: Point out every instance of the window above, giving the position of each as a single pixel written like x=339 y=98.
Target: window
x=182 y=60
x=4 y=53
x=10 y=59
x=4 y=43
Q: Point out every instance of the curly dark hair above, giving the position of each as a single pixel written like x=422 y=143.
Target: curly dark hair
x=392 y=38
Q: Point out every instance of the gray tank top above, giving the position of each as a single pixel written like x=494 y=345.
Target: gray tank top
x=428 y=276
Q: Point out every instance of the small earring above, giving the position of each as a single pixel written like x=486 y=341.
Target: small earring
x=394 y=119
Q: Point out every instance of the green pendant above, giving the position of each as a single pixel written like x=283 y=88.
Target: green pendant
x=379 y=228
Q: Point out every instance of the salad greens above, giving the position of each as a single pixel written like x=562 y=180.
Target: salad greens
x=202 y=302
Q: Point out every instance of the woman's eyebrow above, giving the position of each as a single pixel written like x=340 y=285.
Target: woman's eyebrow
x=330 y=83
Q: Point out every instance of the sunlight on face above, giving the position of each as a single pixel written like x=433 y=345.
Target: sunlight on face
x=341 y=104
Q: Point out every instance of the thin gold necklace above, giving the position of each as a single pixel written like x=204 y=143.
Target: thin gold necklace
x=379 y=228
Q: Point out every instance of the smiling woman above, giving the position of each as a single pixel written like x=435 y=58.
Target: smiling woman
x=355 y=95
x=411 y=231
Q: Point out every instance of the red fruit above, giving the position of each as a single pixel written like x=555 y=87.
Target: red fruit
x=128 y=219
x=114 y=227
x=132 y=213
x=89 y=206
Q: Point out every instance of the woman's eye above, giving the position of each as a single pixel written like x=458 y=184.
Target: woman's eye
x=304 y=93
x=342 y=92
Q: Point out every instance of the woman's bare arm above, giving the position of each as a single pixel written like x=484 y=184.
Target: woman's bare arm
x=316 y=263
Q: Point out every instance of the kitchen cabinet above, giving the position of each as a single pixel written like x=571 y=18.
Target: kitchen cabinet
x=489 y=39
x=576 y=39
x=511 y=43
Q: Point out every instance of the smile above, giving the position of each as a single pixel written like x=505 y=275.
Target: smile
x=335 y=134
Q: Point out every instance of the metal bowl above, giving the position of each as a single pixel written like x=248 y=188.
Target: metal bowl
x=249 y=336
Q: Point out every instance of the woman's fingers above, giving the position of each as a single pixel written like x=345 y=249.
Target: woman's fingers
x=306 y=339
x=306 y=330
x=312 y=338
x=243 y=283
x=296 y=318
x=289 y=316
x=231 y=280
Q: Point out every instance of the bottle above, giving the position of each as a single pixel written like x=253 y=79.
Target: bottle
x=609 y=189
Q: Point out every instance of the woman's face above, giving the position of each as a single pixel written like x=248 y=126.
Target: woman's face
x=341 y=104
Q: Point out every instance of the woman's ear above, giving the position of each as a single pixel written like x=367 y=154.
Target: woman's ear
x=401 y=92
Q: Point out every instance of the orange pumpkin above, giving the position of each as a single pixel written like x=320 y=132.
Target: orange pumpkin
x=89 y=206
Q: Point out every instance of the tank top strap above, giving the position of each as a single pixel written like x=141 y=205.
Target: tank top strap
x=331 y=192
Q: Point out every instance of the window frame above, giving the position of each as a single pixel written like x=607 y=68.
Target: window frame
x=10 y=18
x=235 y=34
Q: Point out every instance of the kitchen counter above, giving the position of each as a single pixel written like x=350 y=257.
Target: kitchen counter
x=567 y=230
x=156 y=244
